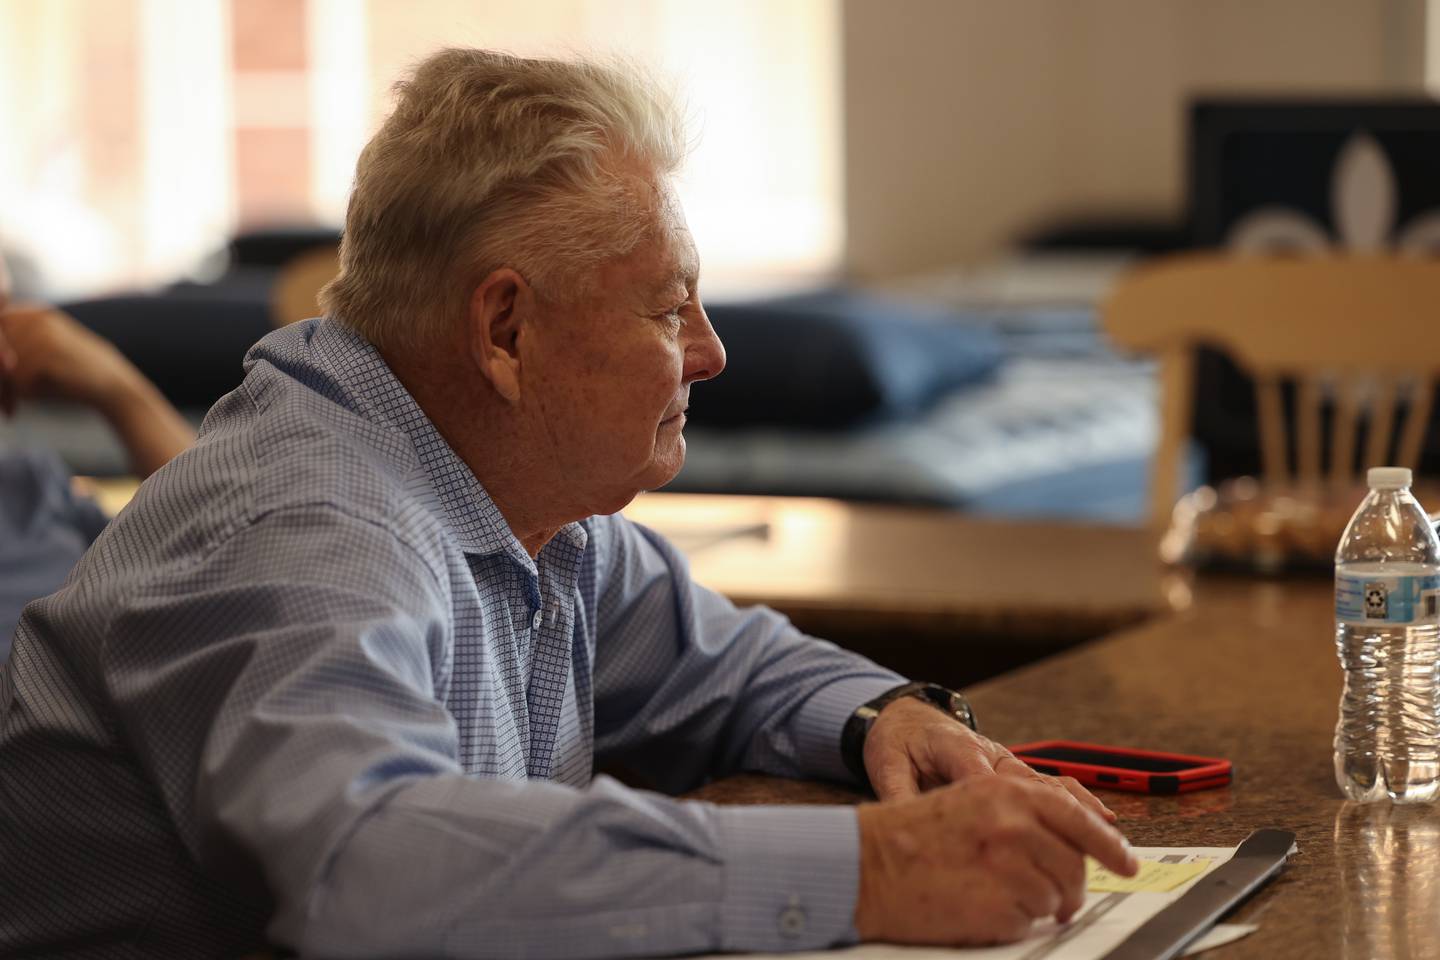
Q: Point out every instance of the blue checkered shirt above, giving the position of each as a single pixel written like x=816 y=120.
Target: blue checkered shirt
x=308 y=689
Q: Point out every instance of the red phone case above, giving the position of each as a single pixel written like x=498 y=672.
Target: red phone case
x=1202 y=772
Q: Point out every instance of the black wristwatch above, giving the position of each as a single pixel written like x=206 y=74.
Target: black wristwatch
x=857 y=728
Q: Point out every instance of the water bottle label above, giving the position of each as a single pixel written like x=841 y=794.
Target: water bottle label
x=1394 y=599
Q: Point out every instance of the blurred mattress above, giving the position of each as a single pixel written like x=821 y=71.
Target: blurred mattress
x=1067 y=434
x=1061 y=427
x=1046 y=436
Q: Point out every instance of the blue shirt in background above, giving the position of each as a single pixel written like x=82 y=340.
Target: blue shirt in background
x=309 y=687
x=44 y=528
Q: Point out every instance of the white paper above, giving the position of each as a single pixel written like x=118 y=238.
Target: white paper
x=1104 y=921
x=1219 y=935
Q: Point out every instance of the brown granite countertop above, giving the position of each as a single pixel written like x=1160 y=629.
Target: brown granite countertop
x=832 y=565
x=1248 y=672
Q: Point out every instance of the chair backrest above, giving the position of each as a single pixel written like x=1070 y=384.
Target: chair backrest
x=1356 y=336
x=1290 y=174
x=299 y=283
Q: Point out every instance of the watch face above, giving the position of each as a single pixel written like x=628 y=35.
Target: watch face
x=959 y=708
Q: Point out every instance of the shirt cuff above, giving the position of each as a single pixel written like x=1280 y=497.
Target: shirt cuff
x=821 y=719
x=792 y=875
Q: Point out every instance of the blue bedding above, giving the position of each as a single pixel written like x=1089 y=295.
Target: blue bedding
x=1022 y=413
x=1044 y=437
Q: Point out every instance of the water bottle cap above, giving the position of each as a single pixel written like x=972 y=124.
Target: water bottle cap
x=1387 y=478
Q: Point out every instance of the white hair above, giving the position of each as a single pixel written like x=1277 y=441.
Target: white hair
x=491 y=160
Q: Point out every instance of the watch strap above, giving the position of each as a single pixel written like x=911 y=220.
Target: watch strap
x=857 y=728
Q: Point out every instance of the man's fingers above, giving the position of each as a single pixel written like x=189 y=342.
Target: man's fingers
x=893 y=778
x=1005 y=925
x=1064 y=866
x=8 y=363
x=1087 y=832
x=1012 y=766
x=957 y=763
x=1077 y=790
x=1030 y=887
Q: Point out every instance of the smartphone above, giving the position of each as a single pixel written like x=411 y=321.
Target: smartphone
x=1124 y=768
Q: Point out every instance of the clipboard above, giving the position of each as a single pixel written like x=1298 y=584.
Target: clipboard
x=1167 y=933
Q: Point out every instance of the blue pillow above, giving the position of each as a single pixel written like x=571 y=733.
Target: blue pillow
x=44 y=529
x=835 y=359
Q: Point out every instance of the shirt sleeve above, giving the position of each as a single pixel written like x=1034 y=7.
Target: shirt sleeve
x=689 y=686
x=280 y=692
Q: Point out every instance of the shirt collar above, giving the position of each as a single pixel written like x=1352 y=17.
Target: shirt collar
x=378 y=395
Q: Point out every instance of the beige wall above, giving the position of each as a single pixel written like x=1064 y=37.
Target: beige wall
x=971 y=121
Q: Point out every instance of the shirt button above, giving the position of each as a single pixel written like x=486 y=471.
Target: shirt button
x=792 y=921
x=536 y=620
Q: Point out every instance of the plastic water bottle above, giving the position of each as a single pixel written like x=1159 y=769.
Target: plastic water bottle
x=1387 y=579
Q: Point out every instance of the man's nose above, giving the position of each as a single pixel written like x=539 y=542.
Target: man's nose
x=704 y=353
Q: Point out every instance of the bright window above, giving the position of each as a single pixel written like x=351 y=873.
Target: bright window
x=141 y=133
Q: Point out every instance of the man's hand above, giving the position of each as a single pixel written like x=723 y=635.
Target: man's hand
x=8 y=360
x=978 y=861
x=913 y=747
x=46 y=352
x=8 y=363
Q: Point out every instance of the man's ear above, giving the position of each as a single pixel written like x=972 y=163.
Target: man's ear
x=500 y=308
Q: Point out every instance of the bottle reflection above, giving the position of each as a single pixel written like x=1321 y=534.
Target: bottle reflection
x=1389 y=863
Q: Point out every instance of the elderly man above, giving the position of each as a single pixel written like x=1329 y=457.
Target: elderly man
x=339 y=677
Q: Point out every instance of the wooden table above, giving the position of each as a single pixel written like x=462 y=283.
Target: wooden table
x=957 y=596
x=1247 y=672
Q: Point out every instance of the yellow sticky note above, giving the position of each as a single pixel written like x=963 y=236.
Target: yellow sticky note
x=1154 y=877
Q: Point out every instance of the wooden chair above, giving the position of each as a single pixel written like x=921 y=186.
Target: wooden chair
x=1355 y=334
x=298 y=284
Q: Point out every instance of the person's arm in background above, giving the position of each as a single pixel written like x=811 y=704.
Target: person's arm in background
x=45 y=352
